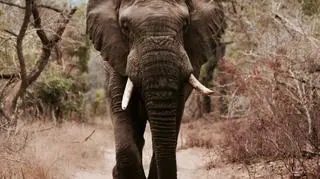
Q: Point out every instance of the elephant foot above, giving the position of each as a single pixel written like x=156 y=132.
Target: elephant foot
x=128 y=173
x=129 y=165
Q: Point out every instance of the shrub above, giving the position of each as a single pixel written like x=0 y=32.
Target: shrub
x=276 y=53
x=99 y=103
x=277 y=128
x=57 y=95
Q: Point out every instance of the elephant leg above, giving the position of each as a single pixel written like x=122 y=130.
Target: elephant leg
x=128 y=155
x=139 y=121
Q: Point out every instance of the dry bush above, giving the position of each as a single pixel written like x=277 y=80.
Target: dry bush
x=276 y=52
x=282 y=121
x=276 y=129
x=15 y=163
x=226 y=84
x=201 y=133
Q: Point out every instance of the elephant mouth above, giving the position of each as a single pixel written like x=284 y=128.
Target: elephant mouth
x=196 y=84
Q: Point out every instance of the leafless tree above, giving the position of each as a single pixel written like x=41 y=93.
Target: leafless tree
x=48 y=40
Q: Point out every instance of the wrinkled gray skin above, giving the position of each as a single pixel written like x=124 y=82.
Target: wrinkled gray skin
x=157 y=44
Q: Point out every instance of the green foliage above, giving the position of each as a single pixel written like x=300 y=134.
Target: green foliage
x=59 y=93
x=52 y=91
x=99 y=100
x=99 y=96
x=83 y=53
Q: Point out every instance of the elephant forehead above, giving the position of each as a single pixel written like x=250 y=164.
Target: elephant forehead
x=153 y=8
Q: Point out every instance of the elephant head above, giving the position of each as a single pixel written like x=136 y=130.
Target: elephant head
x=160 y=46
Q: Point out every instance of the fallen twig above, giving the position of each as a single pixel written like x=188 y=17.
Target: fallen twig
x=10 y=32
x=87 y=138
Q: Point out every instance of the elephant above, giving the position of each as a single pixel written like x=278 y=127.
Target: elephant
x=153 y=50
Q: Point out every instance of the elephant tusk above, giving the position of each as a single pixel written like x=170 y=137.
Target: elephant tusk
x=127 y=94
x=198 y=86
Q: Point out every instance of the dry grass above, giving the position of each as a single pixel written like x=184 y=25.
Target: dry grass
x=14 y=170
x=201 y=133
x=214 y=136
x=42 y=150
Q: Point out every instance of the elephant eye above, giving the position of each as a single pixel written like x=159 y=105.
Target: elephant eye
x=125 y=26
x=186 y=23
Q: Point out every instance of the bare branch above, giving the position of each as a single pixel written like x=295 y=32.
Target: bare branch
x=43 y=61
x=37 y=22
x=285 y=75
x=20 y=38
x=62 y=27
x=21 y=59
x=23 y=7
x=5 y=41
x=50 y=7
x=291 y=26
x=12 y=4
x=46 y=49
x=9 y=76
x=47 y=46
x=10 y=32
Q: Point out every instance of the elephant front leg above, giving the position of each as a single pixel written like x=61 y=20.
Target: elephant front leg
x=128 y=157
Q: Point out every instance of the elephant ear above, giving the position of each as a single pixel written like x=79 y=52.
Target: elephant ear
x=105 y=33
x=203 y=38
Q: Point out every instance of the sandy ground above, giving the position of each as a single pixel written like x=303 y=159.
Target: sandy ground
x=86 y=151
x=192 y=163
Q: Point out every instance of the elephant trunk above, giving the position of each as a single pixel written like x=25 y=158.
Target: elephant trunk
x=163 y=123
x=161 y=87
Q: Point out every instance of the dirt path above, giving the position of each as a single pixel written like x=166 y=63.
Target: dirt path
x=84 y=151
x=192 y=163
